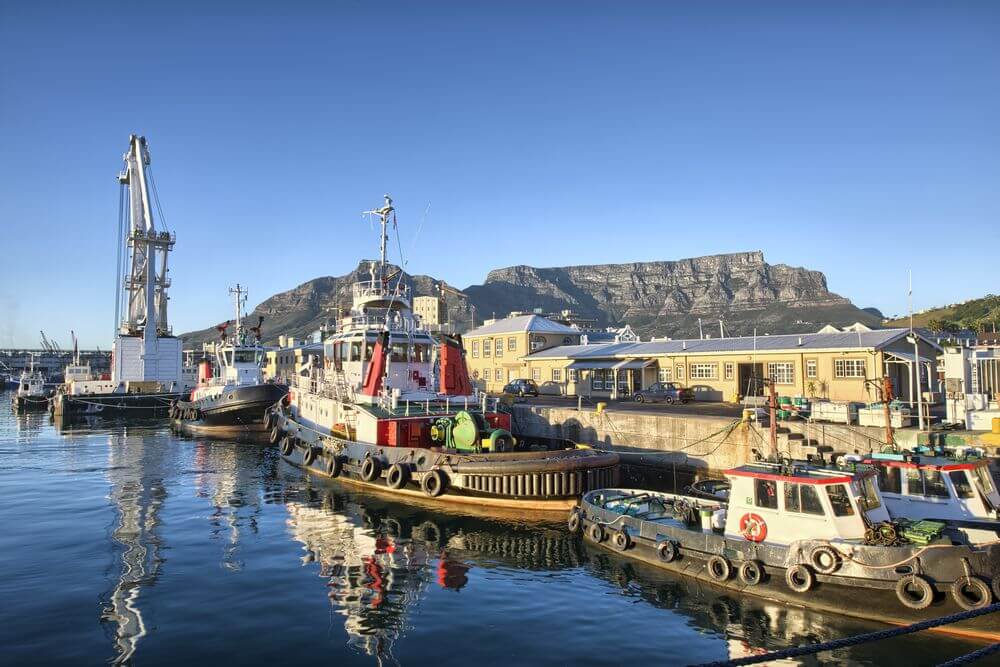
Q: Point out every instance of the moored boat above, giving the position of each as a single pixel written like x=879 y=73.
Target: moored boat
x=233 y=400
x=30 y=392
x=808 y=536
x=381 y=413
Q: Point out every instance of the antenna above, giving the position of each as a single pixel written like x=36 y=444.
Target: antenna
x=239 y=298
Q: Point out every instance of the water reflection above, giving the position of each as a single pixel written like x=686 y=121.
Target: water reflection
x=135 y=472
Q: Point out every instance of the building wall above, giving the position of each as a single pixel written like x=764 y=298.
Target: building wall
x=483 y=368
x=430 y=309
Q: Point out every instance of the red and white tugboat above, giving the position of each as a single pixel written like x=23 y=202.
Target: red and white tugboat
x=380 y=414
x=233 y=400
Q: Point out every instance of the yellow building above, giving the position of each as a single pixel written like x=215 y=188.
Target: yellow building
x=494 y=351
x=839 y=366
x=284 y=362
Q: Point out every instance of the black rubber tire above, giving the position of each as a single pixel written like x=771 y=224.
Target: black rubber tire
x=574 y=522
x=621 y=540
x=995 y=585
x=334 y=466
x=668 y=400
x=275 y=435
x=268 y=418
x=286 y=446
x=800 y=578
x=309 y=455
x=371 y=469
x=667 y=551
x=397 y=476
x=825 y=559
x=639 y=398
x=980 y=590
x=925 y=592
x=750 y=572
x=596 y=532
x=719 y=568
x=434 y=483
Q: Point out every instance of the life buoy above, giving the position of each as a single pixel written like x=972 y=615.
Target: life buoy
x=753 y=527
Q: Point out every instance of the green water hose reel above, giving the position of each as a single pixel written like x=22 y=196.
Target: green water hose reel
x=469 y=431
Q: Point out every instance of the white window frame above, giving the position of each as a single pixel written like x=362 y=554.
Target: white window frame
x=512 y=343
x=812 y=369
x=557 y=375
x=849 y=368
x=664 y=374
x=781 y=372
x=498 y=347
x=536 y=374
x=475 y=349
x=487 y=347
x=703 y=371
x=729 y=370
x=499 y=375
x=571 y=375
x=680 y=372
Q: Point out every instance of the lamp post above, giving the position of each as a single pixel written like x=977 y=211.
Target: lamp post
x=913 y=338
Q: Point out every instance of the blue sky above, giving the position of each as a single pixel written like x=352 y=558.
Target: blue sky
x=860 y=139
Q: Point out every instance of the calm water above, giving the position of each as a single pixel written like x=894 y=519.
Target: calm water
x=128 y=543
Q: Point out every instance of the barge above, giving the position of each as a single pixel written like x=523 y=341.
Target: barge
x=807 y=536
x=393 y=409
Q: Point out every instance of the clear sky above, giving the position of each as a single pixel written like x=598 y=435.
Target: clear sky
x=856 y=138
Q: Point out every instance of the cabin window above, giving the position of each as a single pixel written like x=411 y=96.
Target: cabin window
x=914 y=485
x=889 y=479
x=244 y=357
x=766 y=492
x=870 y=494
x=369 y=350
x=355 y=350
x=398 y=352
x=475 y=348
x=228 y=356
x=729 y=368
x=498 y=349
x=802 y=498
x=512 y=343
x=557 y=375
x=781 y=372
x=934 y=485
x=984 y=478
x=849 y=368
x=840 y=500
x=421 y=353
x=963 y=489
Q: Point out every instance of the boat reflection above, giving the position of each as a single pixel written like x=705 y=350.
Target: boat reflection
x=136 y=474
x=379 y=557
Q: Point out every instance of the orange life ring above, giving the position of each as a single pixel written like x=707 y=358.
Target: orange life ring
x=753 y=527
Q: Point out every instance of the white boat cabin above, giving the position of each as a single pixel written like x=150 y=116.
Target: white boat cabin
x=780 y=504
x=31 y=384
x=238 y=361
x=918 y=487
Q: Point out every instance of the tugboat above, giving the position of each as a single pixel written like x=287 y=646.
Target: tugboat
x=30 y=393
x=235 y=400
x=380 y=415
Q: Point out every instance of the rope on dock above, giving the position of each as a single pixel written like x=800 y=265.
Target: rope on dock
x=846 y=642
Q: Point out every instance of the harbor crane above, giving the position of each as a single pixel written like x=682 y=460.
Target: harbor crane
x=49 y=345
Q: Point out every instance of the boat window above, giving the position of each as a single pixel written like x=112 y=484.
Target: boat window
x=985 y=479
x=934 y=485
x=889 y=479
x=767 y=493
x=369 y=348
x=421 y=353
x=791 y=497
x=244 y=356
x=810 y=500
x=914 y=484
x=355 y=350
x=963 y=489
x=398 y=352
x=870 y=493
x=229 y=357
x=840 y=499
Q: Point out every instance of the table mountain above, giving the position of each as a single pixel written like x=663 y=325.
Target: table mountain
x=655 y=298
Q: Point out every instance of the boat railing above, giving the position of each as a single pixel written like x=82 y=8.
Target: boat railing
x=439 y=406
x=377 y=322
x=368 y=289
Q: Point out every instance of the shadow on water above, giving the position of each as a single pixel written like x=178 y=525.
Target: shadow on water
x=198 y=530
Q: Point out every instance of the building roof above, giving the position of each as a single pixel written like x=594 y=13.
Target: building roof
x=522 y=323
x=817 y=341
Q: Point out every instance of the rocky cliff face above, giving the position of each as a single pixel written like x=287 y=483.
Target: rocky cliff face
x=655 y=298
x=667 y=298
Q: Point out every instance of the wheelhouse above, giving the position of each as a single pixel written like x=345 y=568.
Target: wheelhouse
x=917 y=487
x=784 y=503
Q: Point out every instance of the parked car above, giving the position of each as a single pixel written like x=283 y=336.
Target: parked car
x=521 y=388
x=668 y=392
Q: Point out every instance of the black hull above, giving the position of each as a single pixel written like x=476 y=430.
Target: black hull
x=113 y=405
x=29 y=403
x=240 y=407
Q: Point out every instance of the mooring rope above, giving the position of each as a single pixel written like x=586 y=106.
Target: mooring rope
x=855 y=640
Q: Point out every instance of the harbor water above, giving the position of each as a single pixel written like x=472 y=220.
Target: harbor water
x=132 y=544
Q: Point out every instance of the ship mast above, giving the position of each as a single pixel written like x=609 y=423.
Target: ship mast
x=383 y=216
x=240 y=299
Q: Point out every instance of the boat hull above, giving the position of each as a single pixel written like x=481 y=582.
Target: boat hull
x=113 y=405
x=868 y=593
x=239 y=407
x=548 y=481
x=29 y=403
